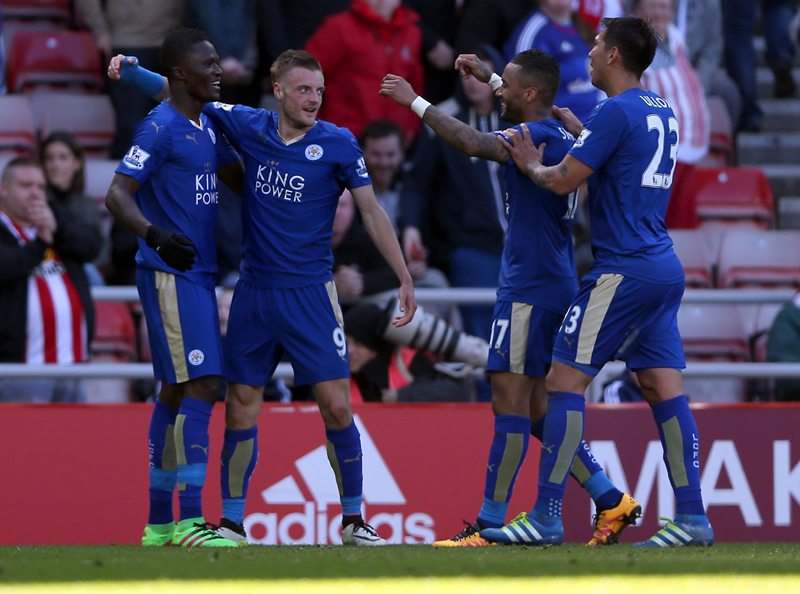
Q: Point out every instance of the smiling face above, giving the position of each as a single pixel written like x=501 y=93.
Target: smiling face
x=383 y=157
x=512 y=95
x=202 y=73
x=597 y=60
x=299 y=94
x=60 y=166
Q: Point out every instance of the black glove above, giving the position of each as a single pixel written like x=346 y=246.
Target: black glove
x=176 y=250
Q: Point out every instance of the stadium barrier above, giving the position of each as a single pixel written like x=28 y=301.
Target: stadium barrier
x=482 y=296
x=81 y=471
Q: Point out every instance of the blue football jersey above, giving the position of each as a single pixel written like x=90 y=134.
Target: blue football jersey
x=631 y=143
x=538 y=262
x=290 y=195
x=175 y=162
x=565 y=44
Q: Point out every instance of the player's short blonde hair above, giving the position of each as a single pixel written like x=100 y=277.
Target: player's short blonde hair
x=292 y=59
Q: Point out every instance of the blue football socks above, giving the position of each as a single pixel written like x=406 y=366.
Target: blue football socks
x=681 y=442
x=191 y=445
x=509 y=446
x=344 y=455
x=163 y=468
x=563 y=433
x=239 y=457
x=589 y=474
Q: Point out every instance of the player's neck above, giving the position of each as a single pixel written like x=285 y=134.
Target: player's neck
x=186 y=105
x=620 y=84
x=537 y=113
x=290 y=133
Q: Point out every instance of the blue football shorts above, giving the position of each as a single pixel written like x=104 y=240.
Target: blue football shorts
x=522 y=338
x=182 y=326
x=619 y=317
x=305 y=323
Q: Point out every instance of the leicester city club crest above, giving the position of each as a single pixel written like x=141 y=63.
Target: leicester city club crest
x=313 y=152
x=196 y=357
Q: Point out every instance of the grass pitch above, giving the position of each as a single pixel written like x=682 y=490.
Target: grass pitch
x=725 y=568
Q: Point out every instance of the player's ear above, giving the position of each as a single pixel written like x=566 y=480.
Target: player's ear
x=178 y=73
x=531 y=93
x=613 y=55
x=277 y=91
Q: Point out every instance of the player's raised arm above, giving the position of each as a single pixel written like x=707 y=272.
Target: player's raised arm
x=459 y=135
x=127 y=69
x=560 y=179
x=380 y=229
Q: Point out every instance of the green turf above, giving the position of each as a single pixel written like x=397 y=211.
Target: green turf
x=43 y=565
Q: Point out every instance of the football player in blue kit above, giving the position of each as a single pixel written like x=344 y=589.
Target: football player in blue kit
x=627 y=305
x=537 y=282
x=285 y=301
x=165 y=191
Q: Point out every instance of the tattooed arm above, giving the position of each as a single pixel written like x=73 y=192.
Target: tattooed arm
x=560 y=179
x=456 y=133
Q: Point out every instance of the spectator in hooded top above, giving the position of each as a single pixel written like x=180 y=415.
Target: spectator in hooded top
x=356 y=48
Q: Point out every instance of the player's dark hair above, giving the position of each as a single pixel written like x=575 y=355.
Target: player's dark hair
x=67 y=139
x=380 y=129
x=539 y=69
x=177 y=45
x=292 y=59
x=634 y=38
x=19 y=162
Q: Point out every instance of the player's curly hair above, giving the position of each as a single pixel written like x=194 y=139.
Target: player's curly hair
x=635 y=39
x=176 y=45
x=292 y=59
x=539 y=69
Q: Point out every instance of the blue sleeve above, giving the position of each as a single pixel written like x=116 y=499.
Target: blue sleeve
x=601 y=135
x=537 y=131
x=151 y=147
x=233 y=120
x=226 y=154
x=352 y=168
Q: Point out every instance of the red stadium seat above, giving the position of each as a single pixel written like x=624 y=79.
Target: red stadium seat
x=690 y=245
x=757 y=258
x=733 y=194
x=90 y=119
x=115 y=332
x=54 y=59
x=36 y=9
x=713 y=331
x=17 y=127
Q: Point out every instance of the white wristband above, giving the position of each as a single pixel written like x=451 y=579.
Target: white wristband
x=419 y=105
x=495 y=81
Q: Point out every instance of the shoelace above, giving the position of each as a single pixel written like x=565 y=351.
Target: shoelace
x=466 y=532
x=204 y=529
x=366 y=528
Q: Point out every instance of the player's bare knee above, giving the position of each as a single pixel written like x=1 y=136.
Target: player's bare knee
x=207 y=389
x=171 y=395
x=242 y=405
x=336 y=414
x=659 y=385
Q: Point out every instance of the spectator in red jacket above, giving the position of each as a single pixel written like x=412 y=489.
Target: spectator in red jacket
x=356 y=49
